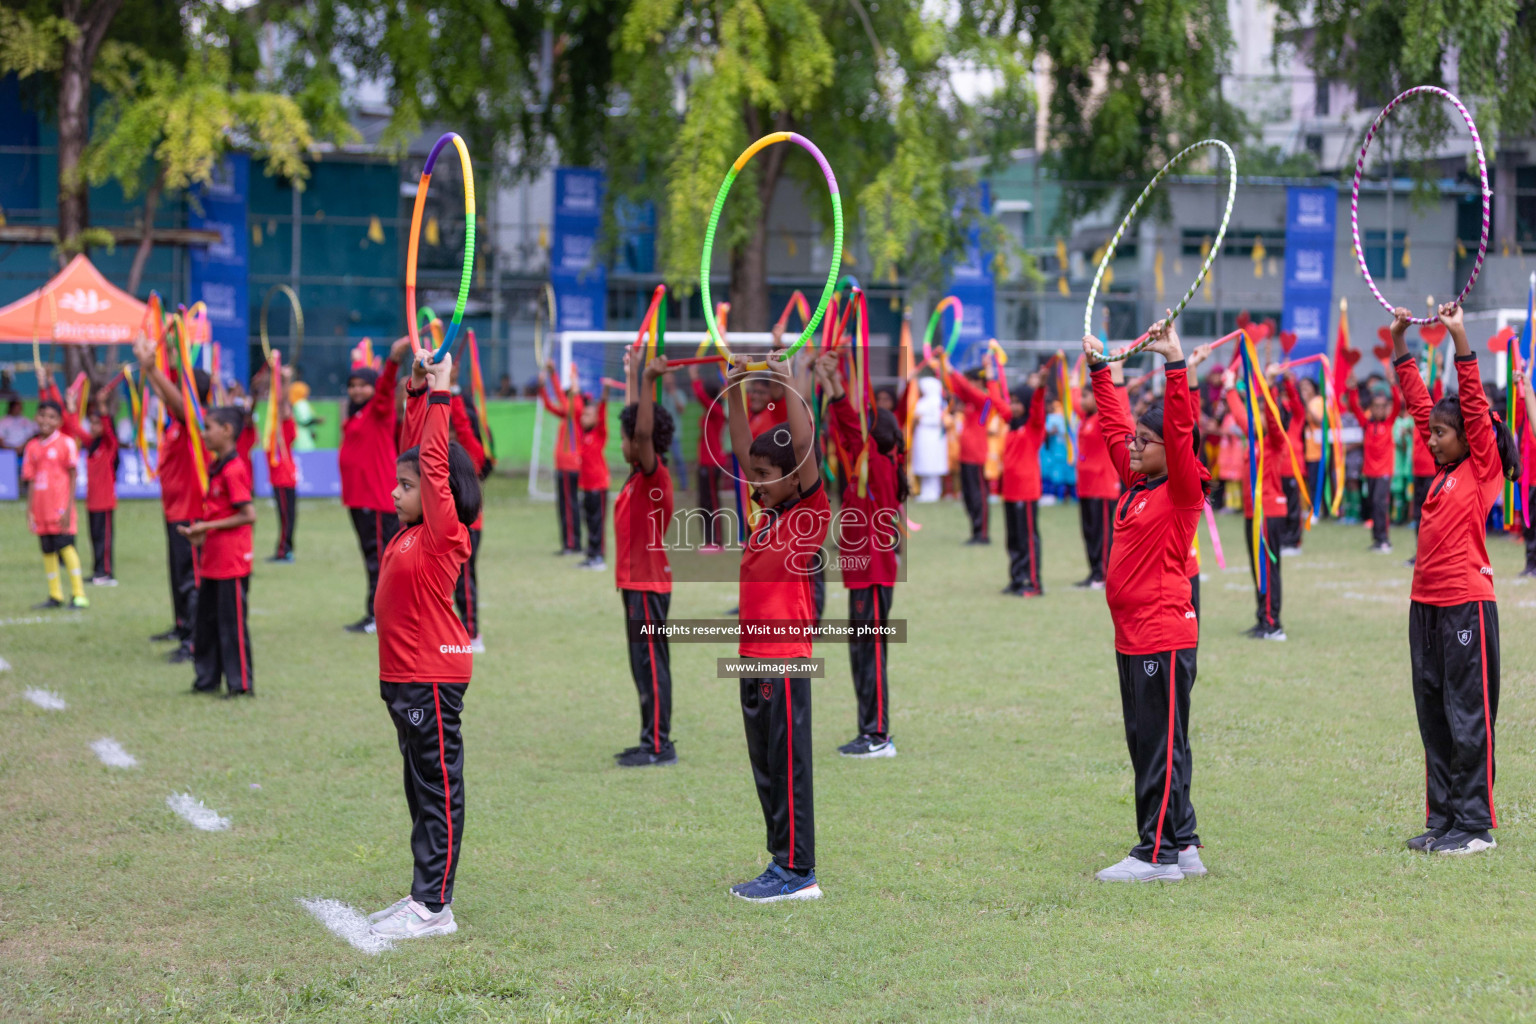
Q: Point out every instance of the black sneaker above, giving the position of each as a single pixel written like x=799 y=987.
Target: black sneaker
x=1457 y=842
x=868 y=747
x=852 y=745
x=978 y=541
x=43 y=606
x=166 y=637
x=1255 y=632
x=1423 y=842
x=642 y=758
x=179 y=655
x=361 y=625
x=1529 y=571
x=627 y=752
x=1084 y=584
x=232 y=694
x=1012 y=590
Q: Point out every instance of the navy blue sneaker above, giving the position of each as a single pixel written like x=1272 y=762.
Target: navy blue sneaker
x=776 y=885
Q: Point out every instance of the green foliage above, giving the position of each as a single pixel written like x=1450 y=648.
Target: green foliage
x=185 y=118
x=870 y=84
x=31 y=46
x=1382 y=47
x=1132 y=84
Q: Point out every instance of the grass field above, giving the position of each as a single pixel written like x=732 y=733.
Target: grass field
x=958 y=876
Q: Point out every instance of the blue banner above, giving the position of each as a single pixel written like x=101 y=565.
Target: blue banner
x=971 y=281
x=579 y=277
x=1310 y=219
x=219 y=271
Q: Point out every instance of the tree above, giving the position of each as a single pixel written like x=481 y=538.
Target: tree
x=1382 y=47
x=1131 y=85
x=871 y=84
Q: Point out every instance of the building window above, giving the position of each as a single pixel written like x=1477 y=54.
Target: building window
x=1198 y=323
x=1314 y=145
x=1376 y=254
x=1525 y=208
x=1239 y=242
x=1322 y=87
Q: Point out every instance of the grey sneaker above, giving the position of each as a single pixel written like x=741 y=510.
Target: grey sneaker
x=1190 y=863
x=867 y=747
x=1133 y=870
x=389 y=911
x=415 y=921
x=1458 y=842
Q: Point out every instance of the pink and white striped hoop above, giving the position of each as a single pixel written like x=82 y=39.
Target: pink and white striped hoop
x=1482 y=174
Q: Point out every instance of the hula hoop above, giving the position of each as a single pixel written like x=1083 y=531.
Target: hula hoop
x=1109 y=251
x=714 y=222
x=947 y=302
x=469 y=244
x=1482 y=173
x=298 y=322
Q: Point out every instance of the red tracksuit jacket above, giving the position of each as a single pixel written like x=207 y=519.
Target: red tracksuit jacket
x=1275 y=456
x=567 y=443
x=973 y=439
x=368 y=452
x=1096 y=476
x=1021 y=453
x=594 y=459
x=867 y=527
x=1378 y=434
x=1147 y=582
x=1452 y=564
x=421 y=639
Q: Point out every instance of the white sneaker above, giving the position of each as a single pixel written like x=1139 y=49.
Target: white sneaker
x=389 y=911
x=477 y=645
x=1096 y=585
x=1275 y=634
x=1289 y=552
x=103 y=581
x=1189 y=861
x=876 y=748
x=597 y=564
x=1133 y=870
x=415 y=921
x=371 y=627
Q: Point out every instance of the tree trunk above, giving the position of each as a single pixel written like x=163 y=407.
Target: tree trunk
x=147 y=242
x=749 y=262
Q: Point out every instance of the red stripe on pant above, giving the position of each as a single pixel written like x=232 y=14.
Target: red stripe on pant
x=245 y=682
x=571 y=512
x=442 y=760
x=1173 y=667
x=650 y=646
x=789 y=764
x=885 y=727
x=1482 y=647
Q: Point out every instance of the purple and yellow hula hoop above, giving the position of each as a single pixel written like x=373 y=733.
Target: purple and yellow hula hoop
x=1482 y=174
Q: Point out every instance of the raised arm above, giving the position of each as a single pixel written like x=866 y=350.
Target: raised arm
x=802 y=432
x=1115 y=424
x=1414 y=392
x=1482 y=448
x=738 y=416
x=438 y=512
x=159 y=383
x=382 y=405
x=966 y=391
x=645 y=415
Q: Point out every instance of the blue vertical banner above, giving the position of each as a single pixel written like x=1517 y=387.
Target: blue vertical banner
x=971 y=281
x=579 y=277
x=220 y=272
x=1310 y=220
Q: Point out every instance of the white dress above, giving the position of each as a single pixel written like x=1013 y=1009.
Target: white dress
x=930 y=449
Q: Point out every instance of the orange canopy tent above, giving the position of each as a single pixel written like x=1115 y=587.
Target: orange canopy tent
x=77 y=307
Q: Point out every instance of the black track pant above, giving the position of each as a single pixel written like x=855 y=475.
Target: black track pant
x=819 y=588
x=374 y=532
x=1098 y=529
x=1194 y=593
x=777 y=715
x=287 y=501
x=466 y=592
x=1455 y=656
x=1421 y=485
x=871 y=660
x=567 y=502
x=1322 y=506
x=222 y=644
x=594 y=507
x=1154 y=699
x=1378 y=506
x=1266 y=605
x=181 y=562
x=1530 y=532
x=1021 y=520
x=973 y=488
x=426 y=717
x=102 y=526
x=650 y=662
x=1290 y=535
x=709 y=502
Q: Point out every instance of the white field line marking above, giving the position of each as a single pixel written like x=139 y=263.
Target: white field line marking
x=45 y=699
x=112 y=753
x=39 y=620
x=196 y=815
x=5 y=666
x=347 y=923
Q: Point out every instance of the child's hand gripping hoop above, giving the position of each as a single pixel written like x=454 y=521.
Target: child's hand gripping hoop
x=1482 y=174
x=714 y=223
x=451 y=334
x=298 y=323
x=1205 y=268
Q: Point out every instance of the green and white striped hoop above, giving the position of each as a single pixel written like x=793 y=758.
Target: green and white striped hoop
x=1109 y=252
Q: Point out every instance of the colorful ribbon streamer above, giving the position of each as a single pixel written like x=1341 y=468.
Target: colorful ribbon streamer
x=469 y=243
x=1482 y=174
x=477 y=393
x=714 y=222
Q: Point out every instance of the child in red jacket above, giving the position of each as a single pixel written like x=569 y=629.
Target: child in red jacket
x=425 y=661
x=283 y=471
x=1453 y=621
x=366 y=461
x=593 y=478
x=101 y=447
x=48 y=466
x=221 y=640
x=567 y=407
x=868 y=537
x=1376 y=472
x=973 y=452
x=1273 y=513
x=1021 y=489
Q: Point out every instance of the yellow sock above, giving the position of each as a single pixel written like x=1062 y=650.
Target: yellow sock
x=51 y=567
x=72 y=563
